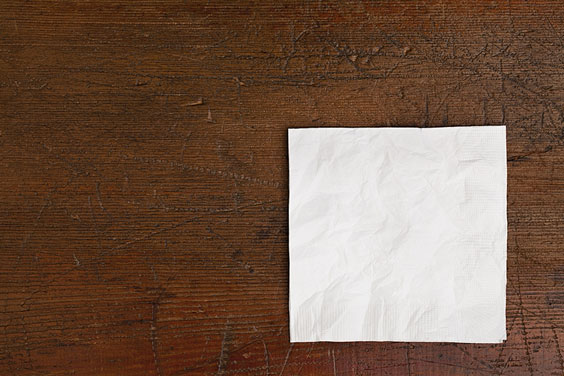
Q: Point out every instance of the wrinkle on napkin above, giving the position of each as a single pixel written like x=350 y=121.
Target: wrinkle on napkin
x=398 y=234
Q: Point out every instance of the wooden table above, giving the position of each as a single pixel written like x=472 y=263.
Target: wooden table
x=144 y=183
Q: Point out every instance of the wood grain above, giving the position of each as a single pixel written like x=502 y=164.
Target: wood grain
x=143 y=174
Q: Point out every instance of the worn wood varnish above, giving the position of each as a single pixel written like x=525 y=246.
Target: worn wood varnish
x=143 y=174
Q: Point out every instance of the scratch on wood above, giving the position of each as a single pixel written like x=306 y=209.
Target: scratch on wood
x=240 y=83
x=522 y=314
x=504 y=345
x=344 y=53
x=472 y=356
x=237 y=253
x=558 y=350
x=308 y=354
x=206 y=170
x=408 y=360
x=154 y=336
x=266 y=357
x=209 y=119
x=294 y=41
x=184 y=145
x=452 y=365
x=98 y=197
x=517 y=158
x=426 y=121
x=96 y=229
x=197 y=102
x=46 y=203
x=286 y=359
x=224 y=352
x=485 y=111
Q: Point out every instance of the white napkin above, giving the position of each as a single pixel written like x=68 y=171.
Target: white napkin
x=398 y=234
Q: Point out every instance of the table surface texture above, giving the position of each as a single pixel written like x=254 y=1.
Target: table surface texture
x=144 y=174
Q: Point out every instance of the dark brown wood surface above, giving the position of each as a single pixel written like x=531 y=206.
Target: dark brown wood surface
x=143 y=174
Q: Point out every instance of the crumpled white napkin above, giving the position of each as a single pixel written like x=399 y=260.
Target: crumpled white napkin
x=398 y=234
